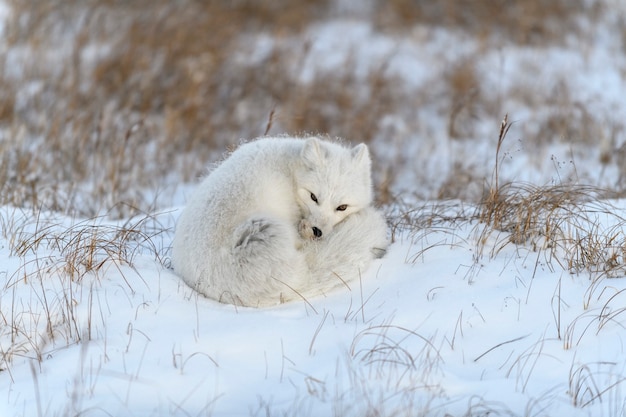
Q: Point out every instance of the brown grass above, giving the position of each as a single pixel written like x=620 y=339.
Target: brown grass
x=527 y=22
x=107 y=98
x=62 y=281
x=575 y=225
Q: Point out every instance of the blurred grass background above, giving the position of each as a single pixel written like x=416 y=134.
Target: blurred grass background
x=104 y=104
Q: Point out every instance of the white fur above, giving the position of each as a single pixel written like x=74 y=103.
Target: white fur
x=250 y=233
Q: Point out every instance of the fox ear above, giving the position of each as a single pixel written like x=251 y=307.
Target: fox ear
x=312 y=152
x=361 y=155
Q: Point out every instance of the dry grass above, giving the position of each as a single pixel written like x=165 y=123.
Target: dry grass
x=574 y=226
x=132 y=92
x=527 y=22
x=62 y=264
x=466 y=97
x=101 y=99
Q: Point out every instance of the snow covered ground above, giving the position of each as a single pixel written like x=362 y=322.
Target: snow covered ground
x=441 y=325
x=455 y=320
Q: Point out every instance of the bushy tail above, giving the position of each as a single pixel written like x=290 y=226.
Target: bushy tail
x=269 y=268
x=346 y=253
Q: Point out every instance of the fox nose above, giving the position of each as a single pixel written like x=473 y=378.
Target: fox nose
x=317 y=232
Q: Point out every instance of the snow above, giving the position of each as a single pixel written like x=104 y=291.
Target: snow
x=454 y=320
x=432 y=328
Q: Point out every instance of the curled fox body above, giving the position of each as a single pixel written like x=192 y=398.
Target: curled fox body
x=278 y=220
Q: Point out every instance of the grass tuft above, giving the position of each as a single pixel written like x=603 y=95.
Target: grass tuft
x=62 y=266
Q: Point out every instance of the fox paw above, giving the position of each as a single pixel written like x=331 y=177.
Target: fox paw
x=257 y=230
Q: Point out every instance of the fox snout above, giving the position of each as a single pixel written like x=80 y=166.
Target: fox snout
x=308 y=231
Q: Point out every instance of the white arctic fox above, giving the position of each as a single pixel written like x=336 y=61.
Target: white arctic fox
x=280 y=219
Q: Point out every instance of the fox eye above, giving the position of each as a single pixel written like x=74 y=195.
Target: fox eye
x=313 y=197
x=342 y=207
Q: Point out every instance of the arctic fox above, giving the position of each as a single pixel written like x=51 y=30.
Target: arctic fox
x=278 y=220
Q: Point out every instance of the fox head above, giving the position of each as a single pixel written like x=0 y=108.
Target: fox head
x=332 y=182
